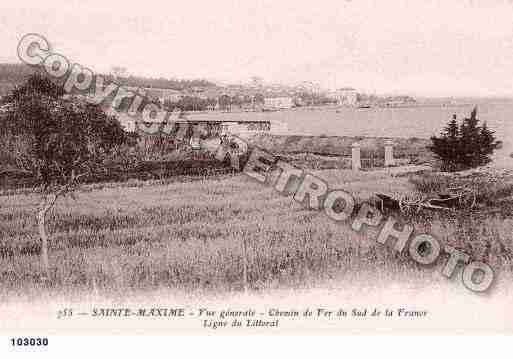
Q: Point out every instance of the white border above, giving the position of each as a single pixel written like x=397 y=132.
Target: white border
x=260 y=347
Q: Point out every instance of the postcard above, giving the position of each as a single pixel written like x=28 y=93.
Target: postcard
x=265 y=167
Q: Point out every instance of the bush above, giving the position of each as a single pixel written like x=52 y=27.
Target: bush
x=429 y=183
x=465 y=145
x=491 y=190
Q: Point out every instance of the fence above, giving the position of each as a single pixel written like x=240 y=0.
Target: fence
x=358 y=163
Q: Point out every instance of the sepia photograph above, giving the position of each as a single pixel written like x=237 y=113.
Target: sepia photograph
x=261 y=167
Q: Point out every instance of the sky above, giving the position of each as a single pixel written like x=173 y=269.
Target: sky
x=423 y=48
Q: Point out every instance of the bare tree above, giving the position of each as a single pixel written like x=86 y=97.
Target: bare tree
x=55 y=143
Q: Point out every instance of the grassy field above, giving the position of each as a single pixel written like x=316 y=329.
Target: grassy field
x=341 y=145
x=334 y=152
x=187 y=235
x=306 y=152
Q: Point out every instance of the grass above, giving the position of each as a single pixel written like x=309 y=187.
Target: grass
x=334 y=152
x=187 y=235
x=164 y=162
x=414 y=149
x=492 y=190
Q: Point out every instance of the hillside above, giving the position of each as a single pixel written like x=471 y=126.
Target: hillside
x=14 y=74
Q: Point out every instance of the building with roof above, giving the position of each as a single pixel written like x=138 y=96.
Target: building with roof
x=347 y=96
x=277 y=103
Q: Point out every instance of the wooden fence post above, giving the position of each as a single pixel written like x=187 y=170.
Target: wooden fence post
x=389 y=153
x=355 y=157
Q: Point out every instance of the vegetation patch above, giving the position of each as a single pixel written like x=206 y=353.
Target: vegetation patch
x=492 y=189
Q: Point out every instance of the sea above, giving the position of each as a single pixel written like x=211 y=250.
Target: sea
x=421 y=121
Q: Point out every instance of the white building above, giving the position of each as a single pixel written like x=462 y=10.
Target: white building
x=164 y=94
x=158 y=93
x=278 y=102
x=346 y=96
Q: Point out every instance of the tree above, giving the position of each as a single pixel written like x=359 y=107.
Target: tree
x=464 y=146
x=56 y=142
x=225 y=103
x=258 y=100
x=448 y=146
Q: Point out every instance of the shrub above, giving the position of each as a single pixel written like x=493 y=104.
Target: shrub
x=430 y=183
x=465 y=145
x=491 y=190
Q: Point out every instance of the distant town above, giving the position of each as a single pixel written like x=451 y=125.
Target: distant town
x=202 y=95
x=258 y=95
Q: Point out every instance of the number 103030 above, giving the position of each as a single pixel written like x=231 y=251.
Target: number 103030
x=29 y=342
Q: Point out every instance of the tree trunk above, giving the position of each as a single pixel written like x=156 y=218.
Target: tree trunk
x=41 y=214
x=244 y=265
x=46 y=205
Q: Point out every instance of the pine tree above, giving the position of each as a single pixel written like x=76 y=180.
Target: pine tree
x=465 y=146
x=452 y=141
x=470 y=140
x=487 y=143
